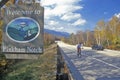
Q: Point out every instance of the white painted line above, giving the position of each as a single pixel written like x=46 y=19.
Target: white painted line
x=71 y=49
x=106 y=63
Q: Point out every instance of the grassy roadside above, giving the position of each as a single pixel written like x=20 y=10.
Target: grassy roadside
x=42 y=69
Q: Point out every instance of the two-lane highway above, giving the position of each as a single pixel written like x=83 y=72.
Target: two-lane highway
x=94 y=65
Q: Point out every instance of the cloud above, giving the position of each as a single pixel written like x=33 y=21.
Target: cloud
x=60 y=13
x=59 y=8
x=53 y=23
x=79 y=22
x=63 y=9
x=58 y=2
x=70 y=16
x=60 y=28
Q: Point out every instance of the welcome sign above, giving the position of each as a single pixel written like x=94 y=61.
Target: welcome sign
x=23 y=30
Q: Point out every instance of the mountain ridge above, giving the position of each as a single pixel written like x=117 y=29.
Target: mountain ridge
x=57 y=33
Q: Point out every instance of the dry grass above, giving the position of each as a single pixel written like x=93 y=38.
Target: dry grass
x=42 y=69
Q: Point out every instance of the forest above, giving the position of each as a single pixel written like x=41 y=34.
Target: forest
x=106 y=34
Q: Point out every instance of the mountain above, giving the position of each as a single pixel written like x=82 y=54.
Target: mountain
x=57 y=33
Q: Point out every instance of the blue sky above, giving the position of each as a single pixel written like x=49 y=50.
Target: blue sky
x=94 y=10
x=73 y=15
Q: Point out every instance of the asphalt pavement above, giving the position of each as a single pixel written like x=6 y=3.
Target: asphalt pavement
x=93 y=64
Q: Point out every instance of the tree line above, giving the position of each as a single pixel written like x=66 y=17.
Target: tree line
x=106 y=34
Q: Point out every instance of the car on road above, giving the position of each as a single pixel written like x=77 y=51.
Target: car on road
x=97 y=47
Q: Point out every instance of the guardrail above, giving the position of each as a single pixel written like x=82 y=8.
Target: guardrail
x=65 y=68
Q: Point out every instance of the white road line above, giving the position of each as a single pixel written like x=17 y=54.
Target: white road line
x=67 y=46
x=100 y=60
x=106 y=63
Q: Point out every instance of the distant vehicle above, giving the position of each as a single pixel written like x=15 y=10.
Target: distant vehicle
x=97 y=47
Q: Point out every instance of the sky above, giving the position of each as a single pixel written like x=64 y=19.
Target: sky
x=74 y=15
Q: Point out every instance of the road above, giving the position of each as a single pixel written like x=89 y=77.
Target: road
x=94 y=65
